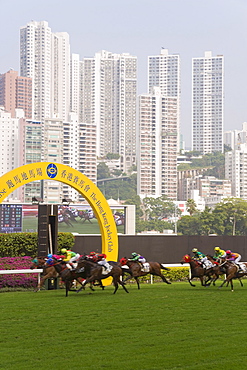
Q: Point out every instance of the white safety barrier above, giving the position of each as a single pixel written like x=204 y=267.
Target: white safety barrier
x=24 y=271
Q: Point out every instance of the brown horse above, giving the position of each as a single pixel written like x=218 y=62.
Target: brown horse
x=221 y=269
x=53 y=272
x=232 y=272
x=68 y=276
x=137 y=271
x=48 y=271
x=94 y=272
x=85 y=216
x=197 y=271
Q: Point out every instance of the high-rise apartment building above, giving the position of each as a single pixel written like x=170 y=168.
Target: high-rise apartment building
x=9 y=149
x=30 y=145
x=16 y=93
x=79 y=151
x=45 y=57
x=109 y=87
x=75 y=85
x=236 y=137
x=53 y=152
x=207 y=103
x=164 y=72
x=236 y=170
x=157 y=145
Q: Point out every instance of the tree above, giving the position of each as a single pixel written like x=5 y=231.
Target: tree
x=191 y=206
x=230 y=217
x=189 y=225
x=157 y=208
x=206 y=221
x=112 y=156
x=136 y=200
x=119 y=188
x=103 y=171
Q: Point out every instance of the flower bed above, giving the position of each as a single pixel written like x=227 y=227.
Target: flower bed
x=17 y=280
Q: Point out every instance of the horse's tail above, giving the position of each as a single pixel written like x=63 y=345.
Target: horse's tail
x=163 y=267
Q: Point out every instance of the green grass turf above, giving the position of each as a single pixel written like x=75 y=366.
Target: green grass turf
x=155 y=328
x=30 y=223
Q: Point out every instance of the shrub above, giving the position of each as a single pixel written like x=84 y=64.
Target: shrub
x=26 y=244
x=17 y=280
x=174 y=274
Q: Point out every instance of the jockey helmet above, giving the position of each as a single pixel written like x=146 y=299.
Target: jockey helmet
x=217 y=248
x=134 y=254
x=228 y=252
x=49 y=255
x=194 y=250
x=63 y=250
x=92 y=253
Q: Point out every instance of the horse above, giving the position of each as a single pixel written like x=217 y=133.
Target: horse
x=94 y=272
x=153 y=268
x=51 y=272
x=232 y=272
x=63 y=217
x=48 y=271
x=119 y=218
x=222 y=270
x=85 y=216
x=68 y=276
x=197 y=271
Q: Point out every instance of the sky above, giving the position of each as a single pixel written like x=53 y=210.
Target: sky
x=142 y=28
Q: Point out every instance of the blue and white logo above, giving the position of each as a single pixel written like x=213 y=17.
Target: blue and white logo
x=51 y=170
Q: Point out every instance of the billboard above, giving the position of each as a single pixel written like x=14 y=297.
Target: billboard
x=79 y=219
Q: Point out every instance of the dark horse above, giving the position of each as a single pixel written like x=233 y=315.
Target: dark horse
x=48 y=271
x=136 y=270
x=94 y=272
x=232 y=272
x=220 y=269
x=85 y=216
x=197 y=271
x=68 y=276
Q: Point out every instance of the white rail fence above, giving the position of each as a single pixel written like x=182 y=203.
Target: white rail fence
x=24 y=271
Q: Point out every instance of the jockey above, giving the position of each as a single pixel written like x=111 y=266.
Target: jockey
x=70 y=257
x=219 y=253
x=137 y=258
x=200 y=257
x=101 y=260
x=233 y=257
x=93 y=256
x=50 y=260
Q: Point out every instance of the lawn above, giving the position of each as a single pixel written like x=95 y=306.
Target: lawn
x=155 y=328
x=30 y=224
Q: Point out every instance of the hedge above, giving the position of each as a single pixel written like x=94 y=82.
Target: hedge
x=174 y=274
x=17 y=280
x=26 y=244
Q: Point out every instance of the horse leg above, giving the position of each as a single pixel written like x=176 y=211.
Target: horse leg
x=42 y=280
x=67 y=285
x=122 y=284
x=163 y=278
x=201 y=279
x=189 y=280
x=115 y=282
x=137 y=281
x=128 y=278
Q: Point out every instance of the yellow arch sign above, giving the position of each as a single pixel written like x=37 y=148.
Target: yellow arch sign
x=59 y=172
